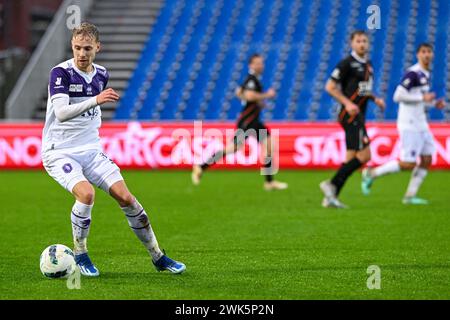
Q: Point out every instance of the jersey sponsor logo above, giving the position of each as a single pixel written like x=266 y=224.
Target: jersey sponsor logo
x=336 y=73
x=76 y=88
x=58 y=83
x=91 y=113
x=365 y=87
x=251 y=85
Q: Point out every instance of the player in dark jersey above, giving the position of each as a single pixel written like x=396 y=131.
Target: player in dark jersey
x=351 y=85
x=252 y=94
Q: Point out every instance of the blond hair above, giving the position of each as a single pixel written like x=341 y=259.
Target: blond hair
x=87 y=29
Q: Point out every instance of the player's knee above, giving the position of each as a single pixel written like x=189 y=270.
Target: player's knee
x=364 y=157
x=425 y=162
x=125 y=199
x=407 y=165
x=85 y=195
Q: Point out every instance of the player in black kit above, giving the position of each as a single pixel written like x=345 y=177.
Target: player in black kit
x=351 y=85
x=249 y=123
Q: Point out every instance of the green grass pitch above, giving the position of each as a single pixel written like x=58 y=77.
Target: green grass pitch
x=238 y=241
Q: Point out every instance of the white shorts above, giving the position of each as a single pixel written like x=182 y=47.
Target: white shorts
x=69 y=168
x=414 y=144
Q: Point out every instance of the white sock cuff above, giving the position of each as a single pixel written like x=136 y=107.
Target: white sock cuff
x=82 y=209
x=135 y=207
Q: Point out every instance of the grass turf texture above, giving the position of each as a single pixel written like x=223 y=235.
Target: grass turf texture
x=238 y=241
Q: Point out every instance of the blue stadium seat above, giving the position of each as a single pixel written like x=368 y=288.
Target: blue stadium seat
x=197 y=54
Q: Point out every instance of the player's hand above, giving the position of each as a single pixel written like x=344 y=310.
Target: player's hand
x=239 y=93
x=380 y=103
x=440 y=104
x=108 y=95
x=429 y=97
x=351 y=108
x=270 y=94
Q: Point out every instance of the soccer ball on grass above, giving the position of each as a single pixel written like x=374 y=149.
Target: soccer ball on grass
x=57 y=261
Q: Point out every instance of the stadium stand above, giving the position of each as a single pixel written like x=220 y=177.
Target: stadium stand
x=186 y=63
x=197 y=55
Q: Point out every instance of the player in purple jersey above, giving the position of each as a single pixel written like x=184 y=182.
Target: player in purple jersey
x=72 y=153
x=416 y=139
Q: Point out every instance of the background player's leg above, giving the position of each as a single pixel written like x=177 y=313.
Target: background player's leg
x=270 y=183
x=392 y=166
x=137 y=218
x=426 y=148
x=355 y=159
x=81 y=215
x=417 y=177
x=412 y=143
x=231 y=147
x=267 y=153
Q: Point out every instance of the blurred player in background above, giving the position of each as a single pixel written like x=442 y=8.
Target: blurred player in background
x=72 y=153
x=351 y=85
x=252 y=95
x=413 y=94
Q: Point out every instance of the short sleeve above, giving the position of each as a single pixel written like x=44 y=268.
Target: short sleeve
x=341 y=71
x=249 y=84
x=106 y=78
x=409 y=80
x=59 y=82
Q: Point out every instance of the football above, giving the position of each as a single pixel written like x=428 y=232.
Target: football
x=57 y=261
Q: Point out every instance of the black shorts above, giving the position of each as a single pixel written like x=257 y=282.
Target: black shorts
x=356 y=136
x=252 y=129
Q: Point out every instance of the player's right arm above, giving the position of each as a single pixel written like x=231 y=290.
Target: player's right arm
x=59 y=93
x=332 y=87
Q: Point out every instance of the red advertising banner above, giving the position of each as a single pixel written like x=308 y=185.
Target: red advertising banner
x=180 y=144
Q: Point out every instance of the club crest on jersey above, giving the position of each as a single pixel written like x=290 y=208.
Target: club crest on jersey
x=76 y=88
x=67 y=168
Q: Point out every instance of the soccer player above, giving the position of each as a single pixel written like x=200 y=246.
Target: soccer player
x=413 y=94
x=252 y=95
x=72 y=153
x=351 y=85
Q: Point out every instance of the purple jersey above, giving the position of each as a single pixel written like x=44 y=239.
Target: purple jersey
x=82 y=131
x=411 y=112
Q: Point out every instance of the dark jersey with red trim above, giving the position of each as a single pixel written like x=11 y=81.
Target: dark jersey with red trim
x=356 y=80
x=250 y=112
